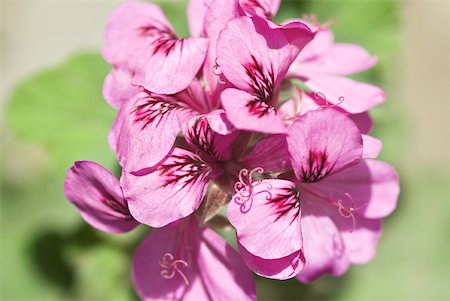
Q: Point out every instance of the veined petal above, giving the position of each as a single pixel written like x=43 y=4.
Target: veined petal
x=280 y=268
x=199 y=134
x=323 y=245
x=142 y=121
x=269 y=153
x=255 y=57
x=172 y=191
x=225 y=275
x=139 y=37
x=266 y=215
x=117 y=87
x=98 y=196
x=321 y=143
x=357 y=97
x=340 y=59
x=247 y=113
x=370 y=187
x=165 y=264
x=184 y=261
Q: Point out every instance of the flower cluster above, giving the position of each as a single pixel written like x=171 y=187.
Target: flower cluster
x=219 y=121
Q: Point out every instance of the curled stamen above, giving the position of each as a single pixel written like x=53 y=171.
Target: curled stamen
x=170 y=267
x=349 y=212
x=218 y=72
x=322 y=97
x=244 y=188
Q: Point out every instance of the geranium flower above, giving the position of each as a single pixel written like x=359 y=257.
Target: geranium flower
x=188 y=261
x=330 y=211
x=175 y=187
x=98 y=196
x=254 y=55
x=139 y=37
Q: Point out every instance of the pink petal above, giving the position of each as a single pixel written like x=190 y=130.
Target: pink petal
x=371 y=147
x=360 y=242
x=174 y=71
x=246 y=114
x=123 y=37
x=323 y=246
x=363 y=121
x=359 y=235
x=281 y=269
x=172 y=191
x=204 y=266
x=199 y=134
x=142 y=121
x=269 y=153
x=358 y=97
x=98 y=196
x=139 y=37
x=264 y=8
x=340 y=59
x=117 y=87
x=322 y=42
x=372 y=186
x=154 y=281
x=196 y=14
x=219 y=122
x=245 y=40
x=225 y=275
x=321 y=143
x=266 y=218
x=218 y=14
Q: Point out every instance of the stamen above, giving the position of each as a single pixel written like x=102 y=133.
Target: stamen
x=345 y=212
x=218 y=72
x=170 y=267
x=320 y=96
x=244 y=188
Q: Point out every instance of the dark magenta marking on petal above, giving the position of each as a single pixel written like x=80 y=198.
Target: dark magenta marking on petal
x=288 y=200
x=317 y=167
x=151 y=107
x=263 y=88
x=122 y=210
x=184 y=169
x=202 y=136
x=164 y=39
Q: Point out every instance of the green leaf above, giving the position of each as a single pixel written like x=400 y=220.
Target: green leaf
x=63 y=110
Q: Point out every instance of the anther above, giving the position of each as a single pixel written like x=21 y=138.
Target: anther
x=244 y=188
x=170 y=267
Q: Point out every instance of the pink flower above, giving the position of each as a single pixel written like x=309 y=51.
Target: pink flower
x=323 y=65
x=197 y=115
x=187 y=261
x=139 y=38
x=177 y=185
x=148 y=117
x=98 y=196
x=254 y=55
x=329 y=212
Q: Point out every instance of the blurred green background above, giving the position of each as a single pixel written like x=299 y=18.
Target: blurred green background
x=55 y=115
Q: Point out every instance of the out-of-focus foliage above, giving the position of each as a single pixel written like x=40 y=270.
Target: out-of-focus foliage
x=58 y=116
